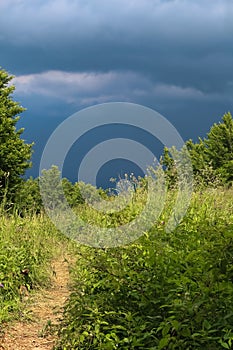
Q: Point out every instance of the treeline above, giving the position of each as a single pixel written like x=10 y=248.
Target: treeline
x=211 y=158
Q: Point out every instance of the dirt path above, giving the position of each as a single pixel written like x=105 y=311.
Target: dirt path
x=45 y=310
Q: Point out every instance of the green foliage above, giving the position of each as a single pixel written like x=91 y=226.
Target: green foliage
x=14 y=152
x=26 y=247
x=89 y=193
x=51 y=188
x=165 y=291
x=170 y=170
x=197 y=153
x=212 y=157
x=57 y=192
x=72 y=193
x=219 y=142
x=177 y=166
x=28 y=198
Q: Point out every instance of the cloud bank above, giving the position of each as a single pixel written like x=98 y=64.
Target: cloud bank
x=175 y=56
x=182 y=43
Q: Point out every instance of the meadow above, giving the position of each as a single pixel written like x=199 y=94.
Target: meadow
x=163 y=291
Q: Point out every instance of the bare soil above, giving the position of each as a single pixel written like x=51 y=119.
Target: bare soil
x=43 y=310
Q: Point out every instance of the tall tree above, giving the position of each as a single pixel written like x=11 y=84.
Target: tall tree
x=15 y=154
x=211 y=157
x=219 y=147
x=214 y=154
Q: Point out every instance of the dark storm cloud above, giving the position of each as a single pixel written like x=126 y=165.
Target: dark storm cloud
x=173 y=56
x=180 y=43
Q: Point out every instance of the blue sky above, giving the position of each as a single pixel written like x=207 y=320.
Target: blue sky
x=175 y=56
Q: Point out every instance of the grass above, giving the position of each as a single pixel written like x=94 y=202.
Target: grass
x=164 y=291
x=27 y=246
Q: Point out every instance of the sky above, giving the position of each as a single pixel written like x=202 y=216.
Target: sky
x=174 y=56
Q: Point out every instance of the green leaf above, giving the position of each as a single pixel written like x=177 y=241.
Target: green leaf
x=224 y=345
x=206 y=325
x=163 y=343
x=165 y=330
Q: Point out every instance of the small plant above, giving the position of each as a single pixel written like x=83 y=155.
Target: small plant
x=48 y=329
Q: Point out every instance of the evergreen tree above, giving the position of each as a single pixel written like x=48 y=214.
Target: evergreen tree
x=15 y=154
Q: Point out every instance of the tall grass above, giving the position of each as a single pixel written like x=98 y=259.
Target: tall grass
x=164 y=291
x=26 y=247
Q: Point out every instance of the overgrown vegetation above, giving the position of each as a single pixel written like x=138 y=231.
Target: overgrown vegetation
x=27 y=246
x=163 y=291
x=211 y=157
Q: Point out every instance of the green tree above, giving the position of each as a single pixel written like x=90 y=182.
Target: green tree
x=15 y=154
x=51 y=188
x=72 y=193
x=28 y=198
x=203 y=171
x=219 y=142
x=212 y=157
x=219 y=147
x=197 y=153
x=169 y=166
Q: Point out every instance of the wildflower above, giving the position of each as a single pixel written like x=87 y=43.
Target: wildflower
x=1 y=285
